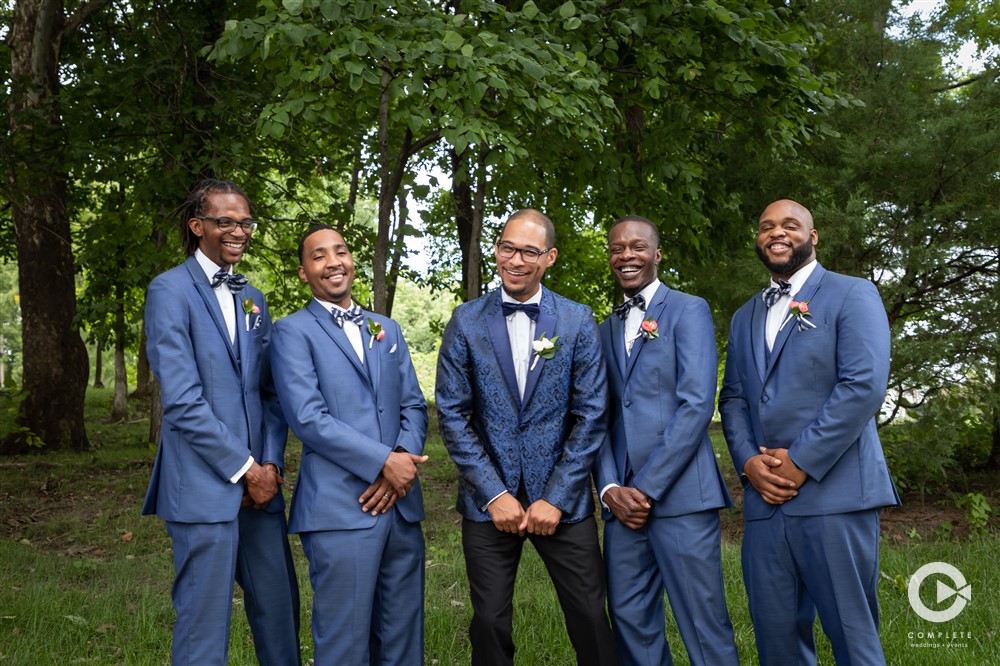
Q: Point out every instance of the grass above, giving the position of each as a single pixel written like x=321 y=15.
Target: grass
x=84 y=579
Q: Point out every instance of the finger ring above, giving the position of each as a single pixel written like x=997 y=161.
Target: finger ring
x=386 y=495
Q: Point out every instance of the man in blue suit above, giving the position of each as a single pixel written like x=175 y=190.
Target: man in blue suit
x=219 y=464
x=656 y=471
x=521 y=397
x=806 y=373
x=350 y=393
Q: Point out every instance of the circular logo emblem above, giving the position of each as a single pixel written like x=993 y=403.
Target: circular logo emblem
x=959 y=589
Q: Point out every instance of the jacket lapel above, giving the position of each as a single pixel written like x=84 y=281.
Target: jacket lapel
x=372 y=353
x=806 y=293
x=325 y=321
x=617 y=344
x=204 y=289
x=497 y=326
x=658 y=302
x=242 y=332
x=546 y=325
x=758 y=335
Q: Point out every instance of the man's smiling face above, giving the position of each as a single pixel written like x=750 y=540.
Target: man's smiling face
x=224 y=248
x=786 y=238
x=634 y=255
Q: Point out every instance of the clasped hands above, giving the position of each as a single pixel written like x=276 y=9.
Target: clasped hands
x=397 y=477
x=773 y=474
x=509 y=516
x=261 y=485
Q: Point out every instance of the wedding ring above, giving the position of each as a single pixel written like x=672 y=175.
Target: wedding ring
x=386 y=495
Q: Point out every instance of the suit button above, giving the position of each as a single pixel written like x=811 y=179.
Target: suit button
x=522 y=427
x=628 y=403
x=763 y=398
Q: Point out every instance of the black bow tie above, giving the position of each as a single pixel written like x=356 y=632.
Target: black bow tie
x=637 y=301
x=772 y=294
x=235 y=281
x=353 y=314
x=530 y=309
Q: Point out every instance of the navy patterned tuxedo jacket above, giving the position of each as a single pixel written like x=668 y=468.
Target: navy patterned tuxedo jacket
x=546 y=441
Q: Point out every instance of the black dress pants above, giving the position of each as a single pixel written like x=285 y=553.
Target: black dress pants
x=573 y=558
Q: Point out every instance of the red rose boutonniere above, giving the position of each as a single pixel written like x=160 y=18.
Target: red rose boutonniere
x=649 y=329
x=798 y=310
x=375 y=331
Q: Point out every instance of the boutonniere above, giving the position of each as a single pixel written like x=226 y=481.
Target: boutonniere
x=798 y=310
x=544 y=348
x=375 y=331
x=249 y=308
x=649 y=329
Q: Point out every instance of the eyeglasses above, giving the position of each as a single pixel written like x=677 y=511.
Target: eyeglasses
x=528 y=255
x=229 y=224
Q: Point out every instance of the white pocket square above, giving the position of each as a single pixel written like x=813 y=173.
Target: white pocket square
x=392 y=350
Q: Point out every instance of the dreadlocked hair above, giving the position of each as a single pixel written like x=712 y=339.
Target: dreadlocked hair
x=194 y=206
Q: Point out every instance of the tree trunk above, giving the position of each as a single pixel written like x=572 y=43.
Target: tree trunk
x=469 y=207
x=99 y=363
x=155 y=411
x=119 y=408
x=399 y=244
x=142 y=374
x=55 y=358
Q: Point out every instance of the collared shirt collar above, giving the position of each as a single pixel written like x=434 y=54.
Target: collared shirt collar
x=535 y=298
x=799 y=277
x=648 y=292
x=209 y=266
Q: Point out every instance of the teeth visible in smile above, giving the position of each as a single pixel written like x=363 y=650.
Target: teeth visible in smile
x=629 y=269
x=233 y=245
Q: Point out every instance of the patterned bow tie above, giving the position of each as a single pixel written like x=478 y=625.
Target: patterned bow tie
x=637 y=301
x=353 y=314
x=530 y=309
x=772 y=294
x=235 y=281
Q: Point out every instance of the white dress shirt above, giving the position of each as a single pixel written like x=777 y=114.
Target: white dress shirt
x=778 y=312
x=227 y=302
x=521 y=332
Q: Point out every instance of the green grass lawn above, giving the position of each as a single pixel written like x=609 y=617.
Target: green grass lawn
x=84 y=579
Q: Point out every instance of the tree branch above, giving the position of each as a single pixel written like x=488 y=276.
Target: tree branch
x=83 y=14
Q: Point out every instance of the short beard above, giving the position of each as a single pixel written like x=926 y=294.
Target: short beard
x=801 y=254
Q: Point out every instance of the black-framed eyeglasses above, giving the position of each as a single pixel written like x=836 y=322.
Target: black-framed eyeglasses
x=229 y=224
x=529 y=255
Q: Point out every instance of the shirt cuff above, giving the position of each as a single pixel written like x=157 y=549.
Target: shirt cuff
x=604 y=490
x=495 y=499
x=235 y=478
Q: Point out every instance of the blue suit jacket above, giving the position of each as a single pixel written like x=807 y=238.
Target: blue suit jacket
x=548 y=440
x=662 y=400
x=349 y=416
x=219 y=406
x=817 y=396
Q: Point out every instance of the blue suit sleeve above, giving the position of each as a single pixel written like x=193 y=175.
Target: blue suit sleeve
x=588 y=412
x=697 y=375
x=455 y=404
x=862 y=378
x=733 y=405
x=171 y=357
x=413 y=407
x=275 y=426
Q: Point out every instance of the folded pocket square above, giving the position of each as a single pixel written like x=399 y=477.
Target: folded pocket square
x=392 y=350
